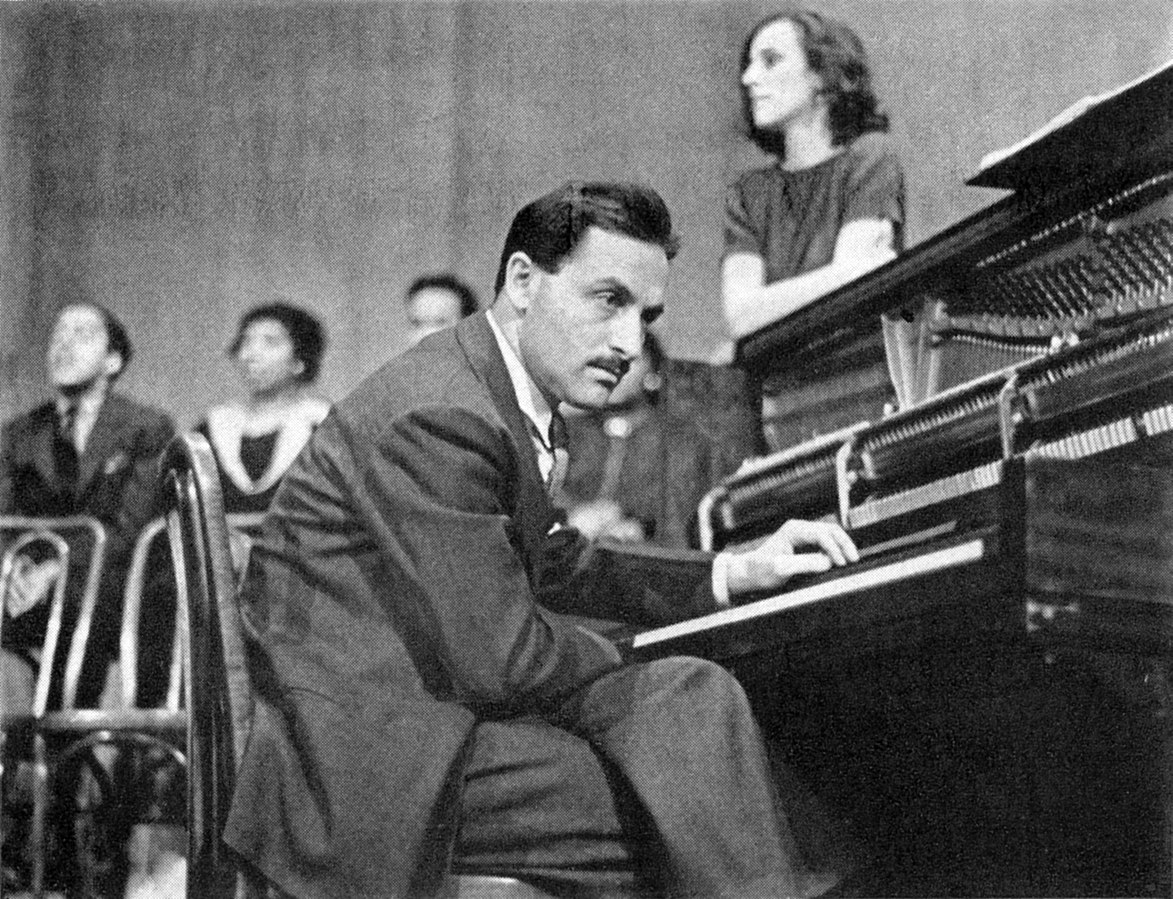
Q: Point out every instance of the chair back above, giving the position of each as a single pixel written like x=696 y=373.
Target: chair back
x=129 y=638
x=242 y=526
x=217 y=689
x=20 y=534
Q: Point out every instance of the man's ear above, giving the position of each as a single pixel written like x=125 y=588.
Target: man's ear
x=520 y=276
x=113 y=364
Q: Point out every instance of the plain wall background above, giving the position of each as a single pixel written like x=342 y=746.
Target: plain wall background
x=183 y=161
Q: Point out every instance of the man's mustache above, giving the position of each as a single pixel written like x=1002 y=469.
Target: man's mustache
x=618 y=366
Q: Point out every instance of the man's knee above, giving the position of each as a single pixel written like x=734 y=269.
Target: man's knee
x=699 y=681
x=691 y=673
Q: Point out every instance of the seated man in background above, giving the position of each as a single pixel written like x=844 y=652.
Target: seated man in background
x=639 y=469
x=423 y=698
x=87 y=451
x=437 y=301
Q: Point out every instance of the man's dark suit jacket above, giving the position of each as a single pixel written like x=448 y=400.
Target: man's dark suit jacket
x=406 y=585
x=116 y=484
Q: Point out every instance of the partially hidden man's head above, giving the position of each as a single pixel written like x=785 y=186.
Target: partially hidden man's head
x=88 y=344
x=437 y=301
x=583 y=273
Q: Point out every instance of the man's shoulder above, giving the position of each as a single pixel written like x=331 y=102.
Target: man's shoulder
x=125 y=408
x=29 y=420
x=437 y=379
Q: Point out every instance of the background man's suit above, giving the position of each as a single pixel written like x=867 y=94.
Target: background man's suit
x=405 y=594
x=116 y=483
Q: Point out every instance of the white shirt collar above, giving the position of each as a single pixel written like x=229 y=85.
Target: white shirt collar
x=529 y=398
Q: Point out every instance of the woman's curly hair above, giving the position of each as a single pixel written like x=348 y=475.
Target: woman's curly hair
x=836 y=54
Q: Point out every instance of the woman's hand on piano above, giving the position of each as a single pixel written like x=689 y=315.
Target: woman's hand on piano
x=775 y=560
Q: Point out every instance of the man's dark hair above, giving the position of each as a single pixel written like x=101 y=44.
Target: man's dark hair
x=305 y=331
x=117 y=339
x=836 y=54
x=548 y=229
x=451 y=283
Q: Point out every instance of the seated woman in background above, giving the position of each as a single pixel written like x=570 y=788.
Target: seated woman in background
x=278 y=351
x=831 y=206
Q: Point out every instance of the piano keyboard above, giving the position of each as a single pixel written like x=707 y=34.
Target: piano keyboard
x=848 y=583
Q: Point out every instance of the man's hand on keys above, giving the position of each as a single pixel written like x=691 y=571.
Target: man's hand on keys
x=774 y=560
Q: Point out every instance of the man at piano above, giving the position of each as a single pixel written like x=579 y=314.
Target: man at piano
x=425 y=702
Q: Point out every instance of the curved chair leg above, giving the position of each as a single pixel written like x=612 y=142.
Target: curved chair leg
x=40 y=814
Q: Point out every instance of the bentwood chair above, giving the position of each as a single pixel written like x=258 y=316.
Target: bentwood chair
x=108 y=766
x=218 y=698
x=58 y=539
x=221 y=707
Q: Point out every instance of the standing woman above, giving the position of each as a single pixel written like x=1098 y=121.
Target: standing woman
x=278 y=351
x=831 y=206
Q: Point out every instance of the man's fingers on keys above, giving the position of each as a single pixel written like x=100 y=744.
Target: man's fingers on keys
x=828 y=537
x=801 y=563
x=844 y=544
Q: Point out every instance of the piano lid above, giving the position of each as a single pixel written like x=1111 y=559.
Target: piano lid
x=1091 y=136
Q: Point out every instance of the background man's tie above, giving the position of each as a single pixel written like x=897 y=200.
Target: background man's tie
x=65 y=448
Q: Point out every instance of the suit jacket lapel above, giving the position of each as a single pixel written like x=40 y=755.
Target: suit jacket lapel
x=41 y=448
x=535 y=512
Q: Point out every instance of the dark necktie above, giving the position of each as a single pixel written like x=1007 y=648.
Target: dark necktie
x=560 y=444
x=65 y=450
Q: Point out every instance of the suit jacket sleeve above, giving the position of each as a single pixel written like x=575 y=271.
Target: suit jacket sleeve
x=641 y=584
x=437 y=490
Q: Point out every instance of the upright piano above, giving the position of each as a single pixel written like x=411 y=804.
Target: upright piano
x=985 y=694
